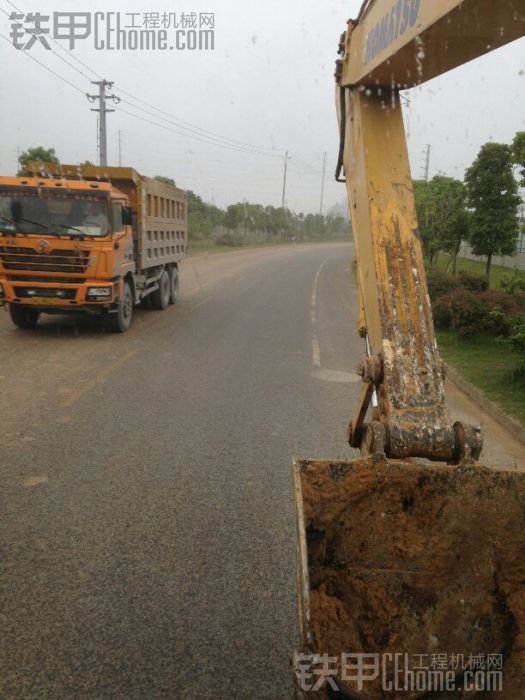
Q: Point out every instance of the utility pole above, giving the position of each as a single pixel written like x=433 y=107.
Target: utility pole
x=120 y=148
x=427 y=163
x=322 y=185
x=284 y=180
x=103 y=110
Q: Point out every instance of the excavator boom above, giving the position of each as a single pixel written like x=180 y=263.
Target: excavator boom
x=392 y=45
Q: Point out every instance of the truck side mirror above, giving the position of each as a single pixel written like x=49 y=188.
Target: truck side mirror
x=127 y=216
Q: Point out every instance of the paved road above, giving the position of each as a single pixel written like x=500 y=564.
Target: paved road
x=147 y=523
x=147 y=532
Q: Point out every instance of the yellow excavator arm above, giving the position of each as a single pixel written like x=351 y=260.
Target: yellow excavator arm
x=396 y=44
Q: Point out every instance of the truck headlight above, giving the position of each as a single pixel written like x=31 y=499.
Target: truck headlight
x=99 y=293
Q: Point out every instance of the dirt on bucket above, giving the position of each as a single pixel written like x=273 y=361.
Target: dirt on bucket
x=420 y=560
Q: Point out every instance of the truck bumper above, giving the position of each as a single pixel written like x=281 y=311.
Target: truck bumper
x=60 y=297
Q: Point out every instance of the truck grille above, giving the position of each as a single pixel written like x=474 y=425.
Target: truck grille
x=67 y=261
x=46 y=280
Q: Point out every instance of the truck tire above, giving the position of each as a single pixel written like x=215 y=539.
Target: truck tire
x=23 y=316
x=120 y=321
x=174 y=285
x=160 y=298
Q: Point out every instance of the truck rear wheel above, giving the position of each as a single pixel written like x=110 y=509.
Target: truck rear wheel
x=23 y=316
x=174 y=285
x=160 y=298
x=120 y=321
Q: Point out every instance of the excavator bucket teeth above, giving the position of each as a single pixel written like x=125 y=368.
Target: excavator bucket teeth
x=411 y=559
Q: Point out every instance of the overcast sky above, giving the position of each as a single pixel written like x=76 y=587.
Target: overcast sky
x=268 y=83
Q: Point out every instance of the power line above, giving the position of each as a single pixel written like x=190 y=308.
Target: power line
x=196 y=138
x=197 y=133
x=17 y=24
x=305 y=172
x=205 y=135
x=208 y=139
x=50 y=70
x=62 y=48
x=181 y=123
x=299 y=162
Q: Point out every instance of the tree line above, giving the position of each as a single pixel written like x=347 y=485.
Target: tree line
x=238 y=223
x=243 y=222
x=482 y=210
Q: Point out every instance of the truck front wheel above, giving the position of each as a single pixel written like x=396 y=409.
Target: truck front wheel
x=120 y=321
x=174 y=285
x=160 y=298
x=23 y=316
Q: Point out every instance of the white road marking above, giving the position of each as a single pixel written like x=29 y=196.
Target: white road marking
x=334 y=375
x=316 y=348
x=316 y=351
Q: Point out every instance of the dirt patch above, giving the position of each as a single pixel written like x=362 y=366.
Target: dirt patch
x=418 y=560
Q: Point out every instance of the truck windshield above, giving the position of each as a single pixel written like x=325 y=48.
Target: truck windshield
x=53 y=213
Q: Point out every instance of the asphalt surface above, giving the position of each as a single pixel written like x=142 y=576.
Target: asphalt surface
x=147 y=536
x=147 y=529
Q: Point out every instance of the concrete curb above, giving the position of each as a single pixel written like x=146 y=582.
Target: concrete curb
x=496 y=412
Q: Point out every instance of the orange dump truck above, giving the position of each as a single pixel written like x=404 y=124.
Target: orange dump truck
x=97 y=240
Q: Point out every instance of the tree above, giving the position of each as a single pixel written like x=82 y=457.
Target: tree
x=450 y=195
x=518 y=153
x=203 y=218
x=165 y=180
x=46 y=155
x=442 y=216
x=492 y=195
x=426 y=216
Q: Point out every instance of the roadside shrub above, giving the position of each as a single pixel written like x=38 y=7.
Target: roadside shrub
x=441 y=312
x=468 y=315
x=513 y=282
x=440 y=283
x=498 y=322
x=462 y=311
x=473 y=283
x=231 y=239
x=501 y=303
x=493 y=311
x=517 y=335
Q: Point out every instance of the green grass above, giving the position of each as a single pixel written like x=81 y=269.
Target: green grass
x=489 y=366
x=200 y=247
x=473 y=267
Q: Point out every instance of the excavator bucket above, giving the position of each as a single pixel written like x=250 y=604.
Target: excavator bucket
x=420 y=561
